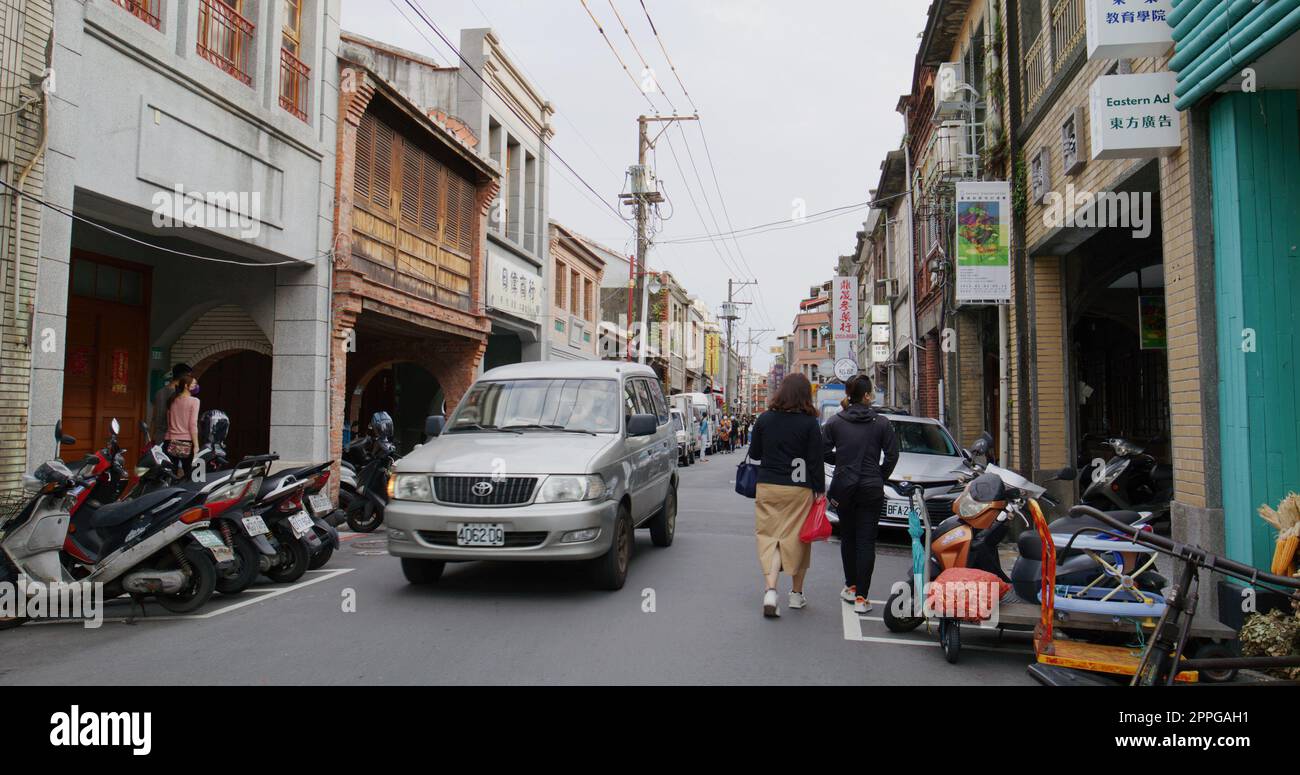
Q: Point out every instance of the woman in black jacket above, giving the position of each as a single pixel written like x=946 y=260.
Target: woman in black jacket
x=788 y=442
x=864 y=449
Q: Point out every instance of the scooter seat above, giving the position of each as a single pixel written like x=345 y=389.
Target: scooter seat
x=115 y=514
x=1032 y=548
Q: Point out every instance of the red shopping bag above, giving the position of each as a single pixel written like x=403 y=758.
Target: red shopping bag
x=816 y=527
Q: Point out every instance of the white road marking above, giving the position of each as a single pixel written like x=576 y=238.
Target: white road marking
x=248 y=597
x=853 y=632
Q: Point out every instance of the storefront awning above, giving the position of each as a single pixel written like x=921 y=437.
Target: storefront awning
x=1215 y=39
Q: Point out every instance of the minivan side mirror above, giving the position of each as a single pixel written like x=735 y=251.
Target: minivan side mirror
x=642 y=425
x=433 y=425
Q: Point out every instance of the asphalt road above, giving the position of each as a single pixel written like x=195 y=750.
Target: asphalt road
x=493 y=623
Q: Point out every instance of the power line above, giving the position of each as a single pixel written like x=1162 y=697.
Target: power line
x=750 y=231
x=669 y=59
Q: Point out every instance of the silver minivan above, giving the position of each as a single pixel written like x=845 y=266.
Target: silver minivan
x=540 y=462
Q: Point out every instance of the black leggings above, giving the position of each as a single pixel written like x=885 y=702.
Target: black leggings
x=859 y=523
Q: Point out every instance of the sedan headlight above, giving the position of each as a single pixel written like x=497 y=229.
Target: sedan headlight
x=570 y=489
x=411 y=487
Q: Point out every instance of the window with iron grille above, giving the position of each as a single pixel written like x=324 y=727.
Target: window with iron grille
x=294 y=73
x=226 y=38
x=145 y=10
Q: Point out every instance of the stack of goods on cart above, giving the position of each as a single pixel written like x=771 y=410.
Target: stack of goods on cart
x=1277 y=633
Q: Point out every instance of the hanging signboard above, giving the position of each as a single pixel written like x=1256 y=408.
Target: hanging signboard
x=1133 y=116
x=983 y=243
x=844 y=319
x=879 y=353
x=1128 y=29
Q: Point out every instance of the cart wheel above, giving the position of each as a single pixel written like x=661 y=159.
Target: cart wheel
x=1210 y=650
x=950 y=639
x=901 y=600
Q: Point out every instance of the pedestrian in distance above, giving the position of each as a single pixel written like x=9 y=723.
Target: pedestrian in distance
x=182 y=436
x=158 y=420
x=704 y=439
x=787 y=443
x=862 y=446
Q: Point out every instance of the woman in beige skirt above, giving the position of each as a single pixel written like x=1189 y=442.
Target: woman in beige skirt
x=787 y=442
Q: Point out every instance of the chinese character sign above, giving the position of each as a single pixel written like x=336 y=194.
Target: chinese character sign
x=845 y=310
x=983 y=242
x=1133 y=116
x=1128 y=29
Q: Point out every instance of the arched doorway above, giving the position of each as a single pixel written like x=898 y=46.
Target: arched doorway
x=239 y=384
x=406 y=391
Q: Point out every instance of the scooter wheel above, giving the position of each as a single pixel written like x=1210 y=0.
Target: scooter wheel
x=950 y=639
x=319 y=559
x=364 y=517
x=244 y=573
x=900 y=600
x=298 y=558
x=202 y=583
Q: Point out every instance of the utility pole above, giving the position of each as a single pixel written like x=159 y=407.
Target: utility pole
x=645 y=192
x=748 y=398
x=729 y=315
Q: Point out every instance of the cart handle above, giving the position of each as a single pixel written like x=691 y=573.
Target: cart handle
x=1188 y=552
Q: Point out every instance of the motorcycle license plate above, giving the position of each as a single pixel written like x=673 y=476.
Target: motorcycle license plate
x=255 y=525
x=320 y=503
x=301 y=524
x=213 y=543
x=898 y=509
x=480 y=534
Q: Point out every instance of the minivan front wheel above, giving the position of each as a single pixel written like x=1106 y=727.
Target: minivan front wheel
x=609 y=571
x=664 y=524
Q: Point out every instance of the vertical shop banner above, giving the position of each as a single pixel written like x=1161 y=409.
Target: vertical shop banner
x=121 y=371
x=983 y=243
x=844 y=316
x=712 y=345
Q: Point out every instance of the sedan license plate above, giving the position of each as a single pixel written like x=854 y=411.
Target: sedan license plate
x=897 y=509
x=479 y=534
x=301 y=524
x=255 y=526
x=320 y=503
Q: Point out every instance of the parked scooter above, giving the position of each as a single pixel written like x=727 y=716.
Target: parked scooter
x=983 y=514
x=156 y=545
x=366 y=513
x=1131 y=480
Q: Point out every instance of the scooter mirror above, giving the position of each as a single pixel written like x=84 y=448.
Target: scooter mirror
x=117 y=428
x=1066 y=474
x=60 y=437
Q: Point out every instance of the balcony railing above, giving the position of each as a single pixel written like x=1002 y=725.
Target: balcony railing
x=294 y=77
x=145 y=10
x=1051 y=50
x=226 y=39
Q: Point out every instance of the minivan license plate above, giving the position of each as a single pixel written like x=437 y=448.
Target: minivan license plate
x=479 y=534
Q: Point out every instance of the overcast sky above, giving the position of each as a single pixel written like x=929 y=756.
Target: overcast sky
x=797 y=101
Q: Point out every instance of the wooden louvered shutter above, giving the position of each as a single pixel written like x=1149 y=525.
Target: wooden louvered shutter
x=365 y=160
x=382 y=183
x=465 y=215
x=430 y=185
x=410 y=185
x=451 y=207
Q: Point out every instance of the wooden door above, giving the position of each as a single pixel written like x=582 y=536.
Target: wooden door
x=106 y=366
x=240 y=385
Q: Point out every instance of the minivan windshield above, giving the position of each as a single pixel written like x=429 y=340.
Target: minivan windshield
x=577 y=405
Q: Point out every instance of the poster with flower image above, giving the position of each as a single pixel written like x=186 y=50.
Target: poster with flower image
x=983 y=243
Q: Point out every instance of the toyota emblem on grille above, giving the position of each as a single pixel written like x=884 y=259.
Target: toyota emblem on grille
x=482 y=489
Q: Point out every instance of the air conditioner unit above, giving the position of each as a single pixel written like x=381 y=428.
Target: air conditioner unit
x=950 y=149
x=949 y=96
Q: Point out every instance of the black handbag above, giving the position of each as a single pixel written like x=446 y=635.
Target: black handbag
x=747 y=478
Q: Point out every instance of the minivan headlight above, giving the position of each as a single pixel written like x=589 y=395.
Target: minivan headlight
x=412 y=487
x=569 y=489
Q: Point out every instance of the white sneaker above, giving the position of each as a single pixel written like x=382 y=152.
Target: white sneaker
x=769 y=604
x=862 y=606
x=797 y=600
x=849 y=594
